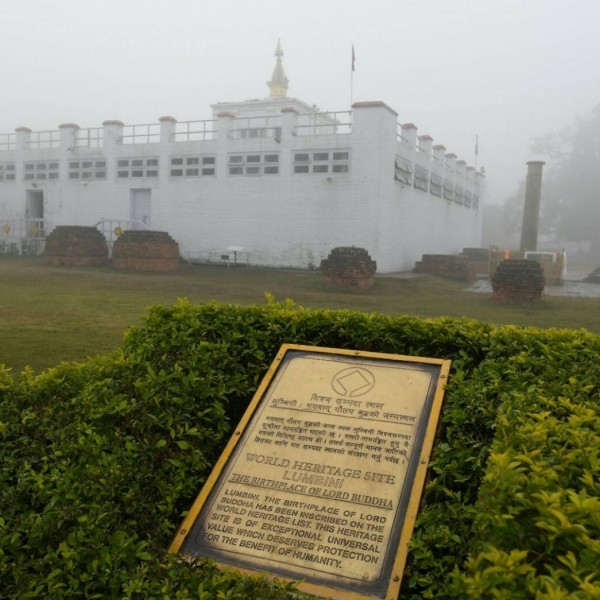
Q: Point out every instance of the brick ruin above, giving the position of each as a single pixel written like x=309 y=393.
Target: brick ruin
x=593 y=277
x=446 y=265
x=75 y=245
x=518 y=282
x=348 y=268
x=146 y=251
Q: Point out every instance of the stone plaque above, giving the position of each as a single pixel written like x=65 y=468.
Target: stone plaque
x=321 y=480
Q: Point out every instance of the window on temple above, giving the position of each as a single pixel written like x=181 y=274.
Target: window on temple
x=253 y=163
x=192 y=166
x=41 y=170
x=7 y=171
x=321 y=161
x=137 y=167
x=87 y=169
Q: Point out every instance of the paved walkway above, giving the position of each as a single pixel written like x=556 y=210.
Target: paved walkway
x=573 y=287
x=570 y=288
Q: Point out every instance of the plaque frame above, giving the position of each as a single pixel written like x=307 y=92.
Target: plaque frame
x=417 y=484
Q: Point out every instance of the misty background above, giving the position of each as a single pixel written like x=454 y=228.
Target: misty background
x=520 y=74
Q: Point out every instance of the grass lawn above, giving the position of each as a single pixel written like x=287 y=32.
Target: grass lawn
x=50 y=314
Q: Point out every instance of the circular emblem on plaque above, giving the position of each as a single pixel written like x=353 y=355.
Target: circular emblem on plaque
x=118 y=231
x=6 y=228
x=353 y=382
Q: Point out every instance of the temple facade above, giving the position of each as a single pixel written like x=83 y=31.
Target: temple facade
x=274 y=180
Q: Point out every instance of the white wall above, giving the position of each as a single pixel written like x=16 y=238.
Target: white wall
x=281 y=220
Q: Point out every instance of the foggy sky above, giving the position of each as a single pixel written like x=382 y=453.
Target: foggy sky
x=507 y=70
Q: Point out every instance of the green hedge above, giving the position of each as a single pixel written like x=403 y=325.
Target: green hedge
x=99 y=461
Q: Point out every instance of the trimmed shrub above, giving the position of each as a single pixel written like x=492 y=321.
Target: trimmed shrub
x=99 y=461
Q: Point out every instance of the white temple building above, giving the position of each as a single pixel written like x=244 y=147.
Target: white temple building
x=275 y=178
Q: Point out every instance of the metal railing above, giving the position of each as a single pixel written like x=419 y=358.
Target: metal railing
x=90 y=138
x=194 y=131
x=8 y=141
x=255 y=127
x=43 y=139
x=404 y=141
x=22 y=236
x=324 y=123
x=147 y=133
x=112 y=229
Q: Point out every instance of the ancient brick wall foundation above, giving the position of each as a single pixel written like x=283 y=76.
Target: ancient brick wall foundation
x=446 y=265
x=518 y=282
x=146 y=251
x=75 y=245
x=348 y=268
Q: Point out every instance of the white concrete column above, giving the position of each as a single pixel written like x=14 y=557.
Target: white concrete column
x=68 y=136
x=374 y=138
x=451 y=161
x=478 y=189
x=167 y=129
x=409 y=135
x=470 y=181
x=67 y=146
x=439 y=153
x=288 y=121
x=23 y=135
x=426 y=146
x=224 y=125
x=113 y=134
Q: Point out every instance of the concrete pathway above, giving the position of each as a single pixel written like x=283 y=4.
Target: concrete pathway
x=572 y=289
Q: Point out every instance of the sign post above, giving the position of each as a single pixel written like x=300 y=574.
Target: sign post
x=322 y=479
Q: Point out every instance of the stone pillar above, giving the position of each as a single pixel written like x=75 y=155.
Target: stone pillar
x=531 y=209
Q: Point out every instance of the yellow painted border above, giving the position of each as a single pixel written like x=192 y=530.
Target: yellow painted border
x=417 y=486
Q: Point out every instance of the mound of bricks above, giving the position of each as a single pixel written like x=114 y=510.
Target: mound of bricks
x=518 y=282
x=75 y=245
x=593 y=277
x=446 y=265
x=479 y=259
x=146 y=251
x=348 y=268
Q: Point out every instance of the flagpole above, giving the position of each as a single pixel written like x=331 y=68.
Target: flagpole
x=352 y=78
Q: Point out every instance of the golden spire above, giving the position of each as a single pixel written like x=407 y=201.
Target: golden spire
x=279 y=82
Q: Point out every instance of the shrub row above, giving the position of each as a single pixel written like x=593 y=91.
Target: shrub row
x=100 y=460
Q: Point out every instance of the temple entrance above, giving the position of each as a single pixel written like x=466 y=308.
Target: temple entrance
x=141 y=208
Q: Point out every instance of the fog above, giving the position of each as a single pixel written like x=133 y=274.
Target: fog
x=505 y=70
